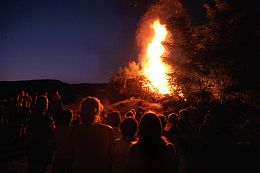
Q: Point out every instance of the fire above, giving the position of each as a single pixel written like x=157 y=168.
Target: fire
x=154 y=69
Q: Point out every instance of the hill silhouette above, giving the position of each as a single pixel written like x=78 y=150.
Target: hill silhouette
x=69 y=92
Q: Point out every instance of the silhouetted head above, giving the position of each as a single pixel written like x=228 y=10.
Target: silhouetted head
x=128 y=127
x=150 y=128
x=184 y=114
x=139 y=113
x=90 y=109
x=113 y=118
x=42 y=103
x=173 y=119
x=65 y=117
x=130 y=114
x=163 y=120
x=56 y=96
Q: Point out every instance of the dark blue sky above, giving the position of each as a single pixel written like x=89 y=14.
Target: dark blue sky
x=70 y=40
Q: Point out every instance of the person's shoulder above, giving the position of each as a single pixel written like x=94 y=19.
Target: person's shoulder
x=169 y=145
x=170 y=148
x=104 y=127
x=117 y=140
x=121 y=141
x=133 y=147
x=50 y=121
x=105 y=130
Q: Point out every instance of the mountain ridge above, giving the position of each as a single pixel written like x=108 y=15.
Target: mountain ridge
x=69 y=92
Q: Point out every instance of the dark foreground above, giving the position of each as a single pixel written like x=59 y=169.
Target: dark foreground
x=218 y=143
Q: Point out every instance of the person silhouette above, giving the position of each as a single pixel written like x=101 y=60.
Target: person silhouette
x=92 y=142
x=40 y=137
x=113 y=119
x=152 y=153
x=128 y=127
x=63 y=143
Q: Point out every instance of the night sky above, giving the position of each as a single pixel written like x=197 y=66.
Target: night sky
x=75 y=41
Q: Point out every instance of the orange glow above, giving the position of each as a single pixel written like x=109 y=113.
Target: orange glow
x=154 y=69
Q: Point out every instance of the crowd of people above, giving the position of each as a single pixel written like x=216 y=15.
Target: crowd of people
x=140 y=141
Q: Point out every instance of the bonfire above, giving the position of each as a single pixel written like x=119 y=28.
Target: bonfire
x=154 y=69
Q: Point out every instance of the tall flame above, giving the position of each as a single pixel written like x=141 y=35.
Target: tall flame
x=154 y=69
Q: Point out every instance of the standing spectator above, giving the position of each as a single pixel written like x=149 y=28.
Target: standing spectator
x=55 y=106
x=92 y=142
x=24 y=114
x=113 y=119
x=151 y=153
x=40 y=137
x=186 y=132
x=128 y=128
x=63 y=143
x=163 y=122
x=173 y=131
x=33 y=102
x=172 y=134
x=27 y=99
x=12 y=112
x=20 y=96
